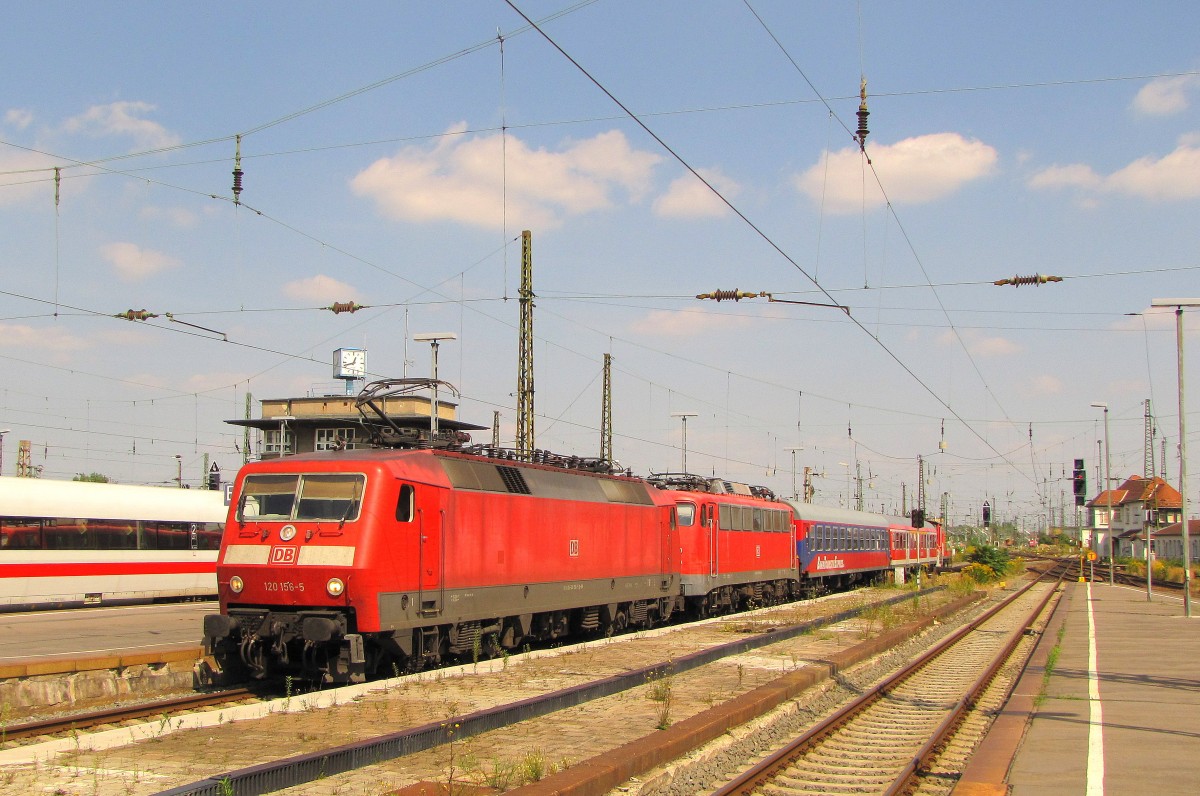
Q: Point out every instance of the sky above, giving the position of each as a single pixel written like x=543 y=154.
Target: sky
x=393 y=152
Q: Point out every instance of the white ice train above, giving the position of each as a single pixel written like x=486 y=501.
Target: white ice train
x=66 y=544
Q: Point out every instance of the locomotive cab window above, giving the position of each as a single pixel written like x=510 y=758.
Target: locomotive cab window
x=334 y=497
x=686 y=513
x=405 y=505
x=267 y=497
x=330 y=496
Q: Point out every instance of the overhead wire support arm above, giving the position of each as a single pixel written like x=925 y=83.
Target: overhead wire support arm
x=738 y=295
x=173 y=319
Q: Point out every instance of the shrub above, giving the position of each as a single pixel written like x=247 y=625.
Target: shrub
x=994 y=558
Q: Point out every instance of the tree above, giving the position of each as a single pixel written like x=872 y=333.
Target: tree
x=95 y=478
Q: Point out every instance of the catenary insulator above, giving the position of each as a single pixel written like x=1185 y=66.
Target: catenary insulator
x=339 y=307
x=237 y=172
x=135 y=315
x=863 y=113
x=728 y=295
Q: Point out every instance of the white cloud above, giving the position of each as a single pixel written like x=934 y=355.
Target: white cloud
x=1171 y=177
x=464 y=180
x=53 y=340
x=1077 y=176
x=685 y=324
x=20 y=118
x=1046 y=385
x=1166 y=95
x=1175 y=176
x=978 y=345
x=175 y=216
x=122 y=119
x=26 y=176
x=133 y=263
x=913 y=171
x=688 y=197
x=319 y=289
x=993 y=347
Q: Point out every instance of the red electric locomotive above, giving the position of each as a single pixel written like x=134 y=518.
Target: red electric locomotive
x=338 y=565
x=737 y=544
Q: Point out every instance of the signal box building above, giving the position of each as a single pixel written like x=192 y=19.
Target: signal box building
x=331 y=422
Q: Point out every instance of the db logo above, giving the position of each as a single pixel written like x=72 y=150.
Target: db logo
x=284 y=555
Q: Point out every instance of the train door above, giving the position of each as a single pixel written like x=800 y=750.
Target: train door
x=425 y=506
x=714 y=539
x=668 y=555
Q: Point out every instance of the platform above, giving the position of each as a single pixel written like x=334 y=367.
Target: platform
x=42 y=641
x=1119 y=712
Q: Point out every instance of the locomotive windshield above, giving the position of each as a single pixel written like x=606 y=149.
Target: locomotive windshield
x=336 y=497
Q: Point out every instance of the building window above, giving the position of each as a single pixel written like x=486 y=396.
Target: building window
x=279 y=442
x=333 y=439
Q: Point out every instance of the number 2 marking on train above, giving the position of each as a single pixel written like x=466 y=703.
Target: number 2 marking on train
x=284 y=555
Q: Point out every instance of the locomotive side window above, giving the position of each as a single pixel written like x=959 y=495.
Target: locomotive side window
x=405 y=506
x=687 y=513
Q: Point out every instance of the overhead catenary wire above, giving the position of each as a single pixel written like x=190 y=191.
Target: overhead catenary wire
x=745 y=219
x=502 y=126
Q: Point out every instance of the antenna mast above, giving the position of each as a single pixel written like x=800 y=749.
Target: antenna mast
x=525 y=438
x=606 y=412
x=1148 y=467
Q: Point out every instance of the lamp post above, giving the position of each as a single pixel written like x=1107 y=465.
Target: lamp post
x=433 y=338
x=684 y=416
x=1179 y=304
x=179 y=471
x=3 y=431
x=795 y=494
x=1107 y=487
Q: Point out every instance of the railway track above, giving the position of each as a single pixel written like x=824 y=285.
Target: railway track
x=116 y=715
x=883 y=740
x=740 y=637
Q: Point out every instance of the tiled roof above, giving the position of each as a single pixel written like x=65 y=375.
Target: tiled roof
x=1176 y=529
x=1137 y=489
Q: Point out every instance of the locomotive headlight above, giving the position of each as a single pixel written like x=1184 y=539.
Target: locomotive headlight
x=236 y=585
x=287 y=533
x=335 y=587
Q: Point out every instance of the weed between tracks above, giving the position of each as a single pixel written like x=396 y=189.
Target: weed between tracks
x=1051 y=663
x=662 y=691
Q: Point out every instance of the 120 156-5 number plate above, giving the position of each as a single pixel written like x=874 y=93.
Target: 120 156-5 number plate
x=283 y=586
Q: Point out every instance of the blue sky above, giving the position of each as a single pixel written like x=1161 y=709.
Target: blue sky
x=393 y=152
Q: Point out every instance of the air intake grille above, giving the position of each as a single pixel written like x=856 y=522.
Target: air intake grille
x=514 y=480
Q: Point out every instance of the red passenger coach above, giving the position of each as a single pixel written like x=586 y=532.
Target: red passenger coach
x=737 y=544
x=917 y=547
x=338 y=565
